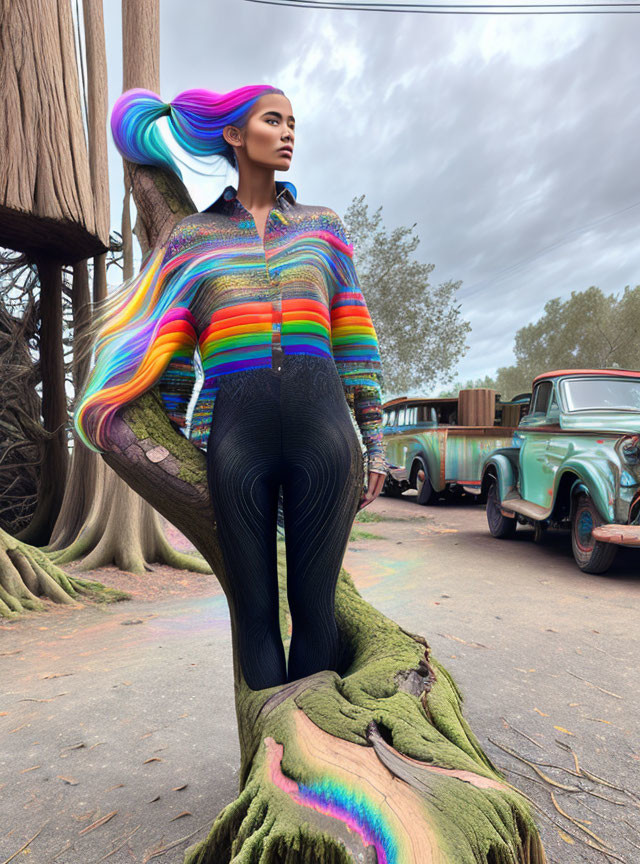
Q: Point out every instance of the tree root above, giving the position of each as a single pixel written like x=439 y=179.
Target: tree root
x=123 y=530
x=27 y=574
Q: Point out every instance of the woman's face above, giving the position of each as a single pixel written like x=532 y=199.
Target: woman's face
x=270 y=127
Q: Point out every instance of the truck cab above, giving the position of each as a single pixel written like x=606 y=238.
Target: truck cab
x=574 y=462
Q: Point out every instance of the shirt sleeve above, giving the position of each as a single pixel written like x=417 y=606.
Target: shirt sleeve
x=355 y=347
x=177 y=382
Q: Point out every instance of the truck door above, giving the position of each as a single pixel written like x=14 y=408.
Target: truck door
x=536 y=478
x=557 y=443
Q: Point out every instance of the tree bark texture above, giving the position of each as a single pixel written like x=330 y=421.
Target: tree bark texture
x=141 y=44
x=20 y=426
x=98 y=105
x=47 y=204
x=125 y=229
x=81 y=310
x=140 y=68
x=104 y=523
x=98 y=102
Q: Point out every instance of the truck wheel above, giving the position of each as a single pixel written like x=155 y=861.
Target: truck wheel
x=591 y=555
x=426 y=494
x=499 y=525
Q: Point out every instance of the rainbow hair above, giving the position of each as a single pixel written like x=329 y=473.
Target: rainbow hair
x=139 y=329
x=196 y=120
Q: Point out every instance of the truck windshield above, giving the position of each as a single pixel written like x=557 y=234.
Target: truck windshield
x=618 y=394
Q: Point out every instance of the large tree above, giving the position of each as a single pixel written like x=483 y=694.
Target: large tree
x=589 y=330
x=421 y=332
x=101 y=519
x=47 y=204
x=54 y=206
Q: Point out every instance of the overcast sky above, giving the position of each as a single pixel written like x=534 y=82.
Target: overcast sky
x=512 y=142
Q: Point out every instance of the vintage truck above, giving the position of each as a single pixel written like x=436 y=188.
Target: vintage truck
x=439 y=445
x=574 y=462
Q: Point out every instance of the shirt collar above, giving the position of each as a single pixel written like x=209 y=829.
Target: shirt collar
x=286 y=194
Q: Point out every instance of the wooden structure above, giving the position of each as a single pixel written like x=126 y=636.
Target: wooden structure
x=47 y=204
x=477 y=407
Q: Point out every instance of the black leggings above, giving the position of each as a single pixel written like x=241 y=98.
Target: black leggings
x=289 y=428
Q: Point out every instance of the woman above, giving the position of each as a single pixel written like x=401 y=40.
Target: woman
x=264 y=288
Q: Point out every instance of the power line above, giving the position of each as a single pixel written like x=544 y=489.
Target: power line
x=462 y=9
x=377 y=4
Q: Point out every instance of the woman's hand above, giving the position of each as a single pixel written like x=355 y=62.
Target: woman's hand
x=374 y=488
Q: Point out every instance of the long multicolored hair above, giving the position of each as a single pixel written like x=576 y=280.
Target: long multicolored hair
x=138 y=329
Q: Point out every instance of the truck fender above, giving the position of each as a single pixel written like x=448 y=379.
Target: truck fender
x=596 y=481
x=430 y=466
x=502 y=467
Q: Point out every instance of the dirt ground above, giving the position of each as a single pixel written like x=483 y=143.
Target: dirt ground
x=117 y=723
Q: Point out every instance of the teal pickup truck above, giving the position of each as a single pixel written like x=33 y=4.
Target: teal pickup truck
x=439 y=445
x=574 y=462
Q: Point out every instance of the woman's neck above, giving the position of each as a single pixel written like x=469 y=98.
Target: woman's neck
x=258 y=190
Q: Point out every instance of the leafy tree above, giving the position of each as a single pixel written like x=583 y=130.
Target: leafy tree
x=511 y=380
x=590 y=330
x=487 y=381
x=421 y=332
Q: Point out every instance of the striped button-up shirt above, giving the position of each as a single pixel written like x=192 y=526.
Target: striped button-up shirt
x=247 y=301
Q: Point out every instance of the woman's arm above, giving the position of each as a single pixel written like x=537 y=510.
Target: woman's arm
x=355 y=347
